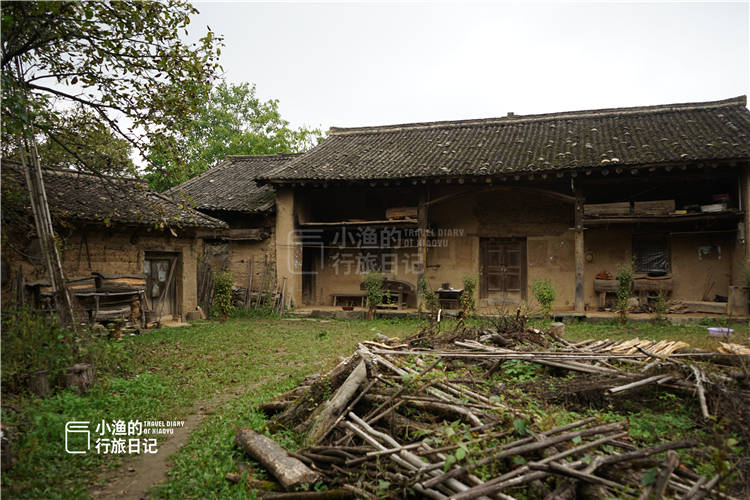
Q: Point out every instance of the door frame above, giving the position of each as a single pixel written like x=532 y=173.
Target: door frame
x=175 y=278
x=483 y=284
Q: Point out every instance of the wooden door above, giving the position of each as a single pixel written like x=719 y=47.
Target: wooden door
x=503 y=269
x=161 y=293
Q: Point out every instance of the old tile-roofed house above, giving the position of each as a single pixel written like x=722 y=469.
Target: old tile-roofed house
x=561 y=196
x=110 y=226
x=229 y=192
x=527 y=144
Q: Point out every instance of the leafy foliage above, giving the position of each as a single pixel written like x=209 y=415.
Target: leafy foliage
x=34 y=341
x=544 y=293
x=429 y=297
x=223 y=282
x=625 y=277
x=84 y=143
x=231 y=120
x=520 y=370
x=375 y=293
x=467 y=300
x=126 y=63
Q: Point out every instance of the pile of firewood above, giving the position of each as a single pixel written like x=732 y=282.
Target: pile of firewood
x=398 y=420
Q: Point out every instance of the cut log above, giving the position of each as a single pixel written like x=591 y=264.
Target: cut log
x=80 y=377
x=289 y=471
x=299 y=412
x=274 y=407
x=327 y=413
x=39 y=383
x=557 y=329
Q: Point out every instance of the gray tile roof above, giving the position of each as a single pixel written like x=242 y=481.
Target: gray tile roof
x=74 y=195
x=230 y=186
x=648 y=135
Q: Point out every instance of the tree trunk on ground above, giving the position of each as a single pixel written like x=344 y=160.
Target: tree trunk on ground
x=327 y=413
x=289 y=471
x=320 y=390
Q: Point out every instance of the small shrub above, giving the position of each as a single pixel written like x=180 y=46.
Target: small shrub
x=33 y=341
x=375 y=293
x=544 y=293
x=467 y=300
x=429 y=297
x=625 y=277
x=223 y=282
x=661 y=306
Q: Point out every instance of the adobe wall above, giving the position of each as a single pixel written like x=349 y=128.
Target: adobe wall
x=505 y=213
x=114 y=251
x=700 y=262
x=241 y=253
x=459 y=223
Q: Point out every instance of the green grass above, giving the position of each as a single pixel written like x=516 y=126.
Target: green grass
x=168 y=371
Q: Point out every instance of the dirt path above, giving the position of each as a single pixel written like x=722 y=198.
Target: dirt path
x=134 y=478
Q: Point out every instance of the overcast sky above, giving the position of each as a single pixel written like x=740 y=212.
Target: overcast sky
x=353 y=64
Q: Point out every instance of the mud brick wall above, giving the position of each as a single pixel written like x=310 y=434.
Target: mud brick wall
x=115 y=250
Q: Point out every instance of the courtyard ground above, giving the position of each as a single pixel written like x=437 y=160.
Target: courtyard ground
x=218 y=373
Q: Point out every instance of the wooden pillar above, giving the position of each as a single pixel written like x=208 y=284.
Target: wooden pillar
x=422 y=226
x=579 y=297
x=288 y=250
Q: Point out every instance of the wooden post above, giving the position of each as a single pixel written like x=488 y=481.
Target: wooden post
x=579 y=300
x=422 y=225
x=248 y=292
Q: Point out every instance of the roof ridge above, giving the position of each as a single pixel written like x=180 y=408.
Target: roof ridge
x=270 y=155
x=511 y=118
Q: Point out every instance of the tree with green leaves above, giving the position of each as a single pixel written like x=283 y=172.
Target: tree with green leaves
x=126 y=65
x=232 y=120
x=83 y=143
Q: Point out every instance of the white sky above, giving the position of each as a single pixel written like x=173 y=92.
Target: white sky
x=352 y=64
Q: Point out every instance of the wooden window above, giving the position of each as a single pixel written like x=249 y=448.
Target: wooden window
x=503 y=266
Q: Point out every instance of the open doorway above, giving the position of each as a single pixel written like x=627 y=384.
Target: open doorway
x=161 y=269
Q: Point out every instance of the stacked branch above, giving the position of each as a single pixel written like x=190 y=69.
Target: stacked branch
x=401 y=420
